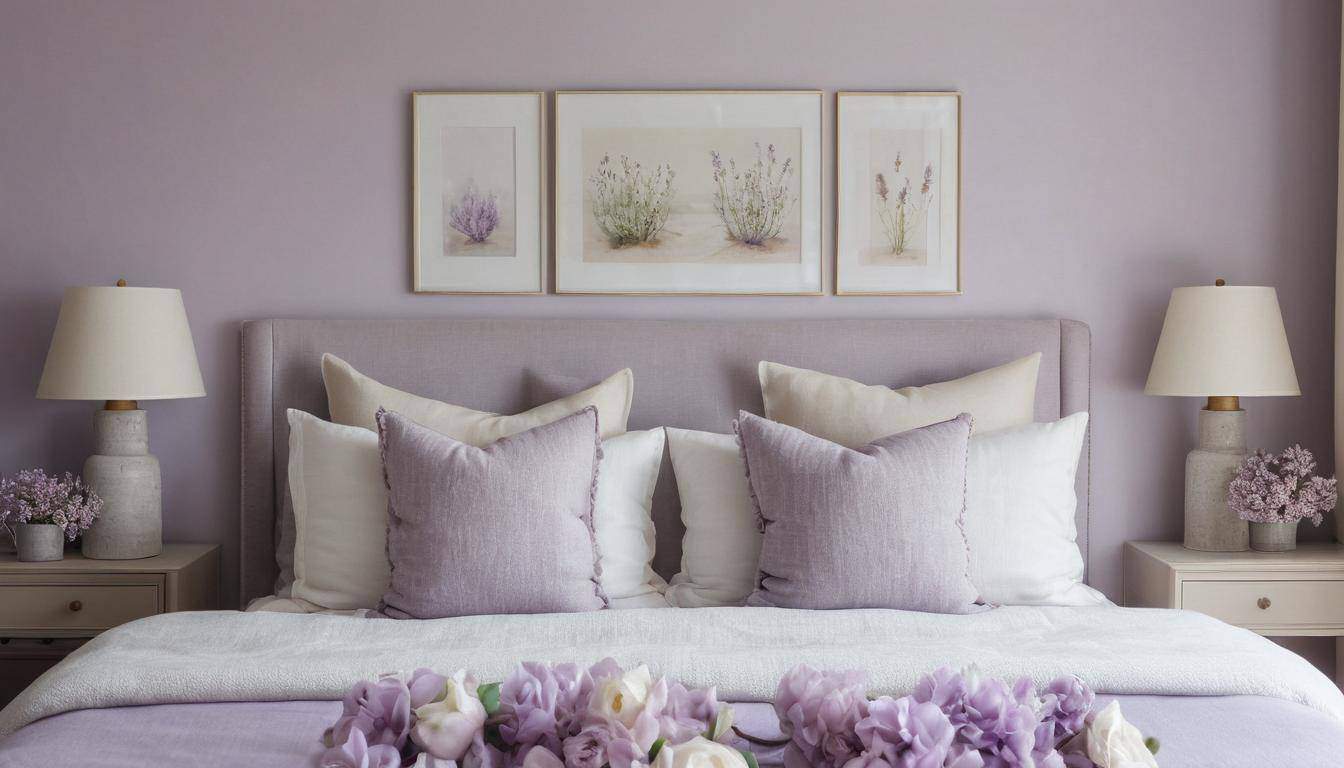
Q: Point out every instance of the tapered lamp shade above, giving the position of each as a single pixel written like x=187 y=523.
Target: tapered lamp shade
x=1223 y=340
x=118 y=343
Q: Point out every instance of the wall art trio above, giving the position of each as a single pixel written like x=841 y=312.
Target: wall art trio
x=685 y=192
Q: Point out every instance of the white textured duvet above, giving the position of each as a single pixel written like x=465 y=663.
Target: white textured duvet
x=229 y=656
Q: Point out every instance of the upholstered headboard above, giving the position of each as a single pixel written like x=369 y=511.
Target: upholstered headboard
x=688 y=373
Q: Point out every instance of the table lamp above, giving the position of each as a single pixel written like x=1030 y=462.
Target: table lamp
x=1222 y=342
x=122 y=345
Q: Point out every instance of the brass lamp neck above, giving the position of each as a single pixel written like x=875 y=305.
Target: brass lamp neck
x=1223 y=403
x=127 y=405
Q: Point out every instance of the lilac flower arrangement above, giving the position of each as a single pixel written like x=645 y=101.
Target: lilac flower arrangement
x=631 y=207
x=753 y=203
x=540 y=716
x=1281 y=488
x=475 y=215
x=901 y=216
x=564 y=716
x=33 y=496
x=952 y=720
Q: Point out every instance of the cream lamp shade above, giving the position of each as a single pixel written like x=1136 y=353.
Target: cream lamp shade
x=1223 y=340
x=119 y=343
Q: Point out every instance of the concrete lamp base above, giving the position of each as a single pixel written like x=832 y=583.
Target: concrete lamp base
x=126 y=476
x=1209 y=525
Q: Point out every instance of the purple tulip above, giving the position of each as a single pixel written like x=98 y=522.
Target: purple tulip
x=818 y=712
x=588 y=749
x=688 y=713
x=380 y=711
x=943 y=688
x=1067 y=702
x=355 y=752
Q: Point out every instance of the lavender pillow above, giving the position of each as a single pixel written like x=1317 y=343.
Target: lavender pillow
x=502 y=529
x=876 y=527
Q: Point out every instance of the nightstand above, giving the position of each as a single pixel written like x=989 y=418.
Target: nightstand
x=49 y=609
x=1283 y=594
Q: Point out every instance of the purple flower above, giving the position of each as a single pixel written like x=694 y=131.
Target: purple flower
x=818 y=711
x=1281 y=489
x=531 y=704
x=588 y=749
x=33 y=496
x=355 y=752
x=380 y=711
x=1066 y=704
x=689 y=713
x=475 y=215
x=882 y=190
x=943 y=687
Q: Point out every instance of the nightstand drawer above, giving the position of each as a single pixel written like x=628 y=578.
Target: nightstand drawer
x=31 y=609
x=1268 y=603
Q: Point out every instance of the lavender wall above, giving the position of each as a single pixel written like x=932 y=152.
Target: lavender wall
x=255 y=155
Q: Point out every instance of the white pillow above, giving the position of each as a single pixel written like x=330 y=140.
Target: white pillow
x=340 y=515
x=721 y=546
x=1020 y=505
x=622 y=517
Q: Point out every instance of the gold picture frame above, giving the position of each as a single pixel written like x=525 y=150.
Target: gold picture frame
x=495 y=274
x=570 y=201
x=855 y=249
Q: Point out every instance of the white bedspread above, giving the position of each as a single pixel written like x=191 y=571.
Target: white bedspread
x=230 y=656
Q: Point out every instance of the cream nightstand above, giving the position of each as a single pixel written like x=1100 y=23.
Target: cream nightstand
x=1283 y=594
x=49 y=609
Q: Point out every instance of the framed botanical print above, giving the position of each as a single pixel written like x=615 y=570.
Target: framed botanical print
x=479 y=192
x=690 y=192
x=898 y=193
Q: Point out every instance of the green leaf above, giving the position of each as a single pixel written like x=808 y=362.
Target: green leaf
x=488 y=693
x=750 y=758
x=656 y=748
x=1152 y=744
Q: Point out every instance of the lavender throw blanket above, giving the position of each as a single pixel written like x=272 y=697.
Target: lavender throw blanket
x=229 y=656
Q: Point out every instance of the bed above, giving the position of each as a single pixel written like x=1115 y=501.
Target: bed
x=257 y=688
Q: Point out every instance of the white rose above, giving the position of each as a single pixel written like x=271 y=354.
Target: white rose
x=699 y=753
x=445 y=728
x=1113 y=742
x=622 y=699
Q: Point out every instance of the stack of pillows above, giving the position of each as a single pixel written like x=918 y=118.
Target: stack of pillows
x=943 y=498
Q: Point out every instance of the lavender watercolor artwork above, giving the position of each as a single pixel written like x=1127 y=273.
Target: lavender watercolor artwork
x=753 y=203
x=904 y=221
x=903 y=213
x=692 y=195
x=631 y=207
x=475 y=214
x=478 y=192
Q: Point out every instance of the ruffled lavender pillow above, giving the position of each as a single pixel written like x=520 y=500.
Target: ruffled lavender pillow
x=876 y=527
x=502 y=529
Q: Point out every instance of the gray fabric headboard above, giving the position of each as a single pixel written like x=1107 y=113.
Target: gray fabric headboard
x=688 y=373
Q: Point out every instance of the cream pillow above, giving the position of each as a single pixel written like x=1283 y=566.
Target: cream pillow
x=844 y=411
x=340 y=516
x=354 y=399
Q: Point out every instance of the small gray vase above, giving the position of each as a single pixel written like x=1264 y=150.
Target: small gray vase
x=39 y=542
x=1274 y=537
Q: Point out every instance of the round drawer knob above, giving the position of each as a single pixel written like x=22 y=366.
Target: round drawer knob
x=76 y=605
x=1263 y=603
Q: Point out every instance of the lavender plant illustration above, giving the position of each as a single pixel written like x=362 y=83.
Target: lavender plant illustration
x=475 y=214
x=629 y=206
x=753 y=203
x=903 y=215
